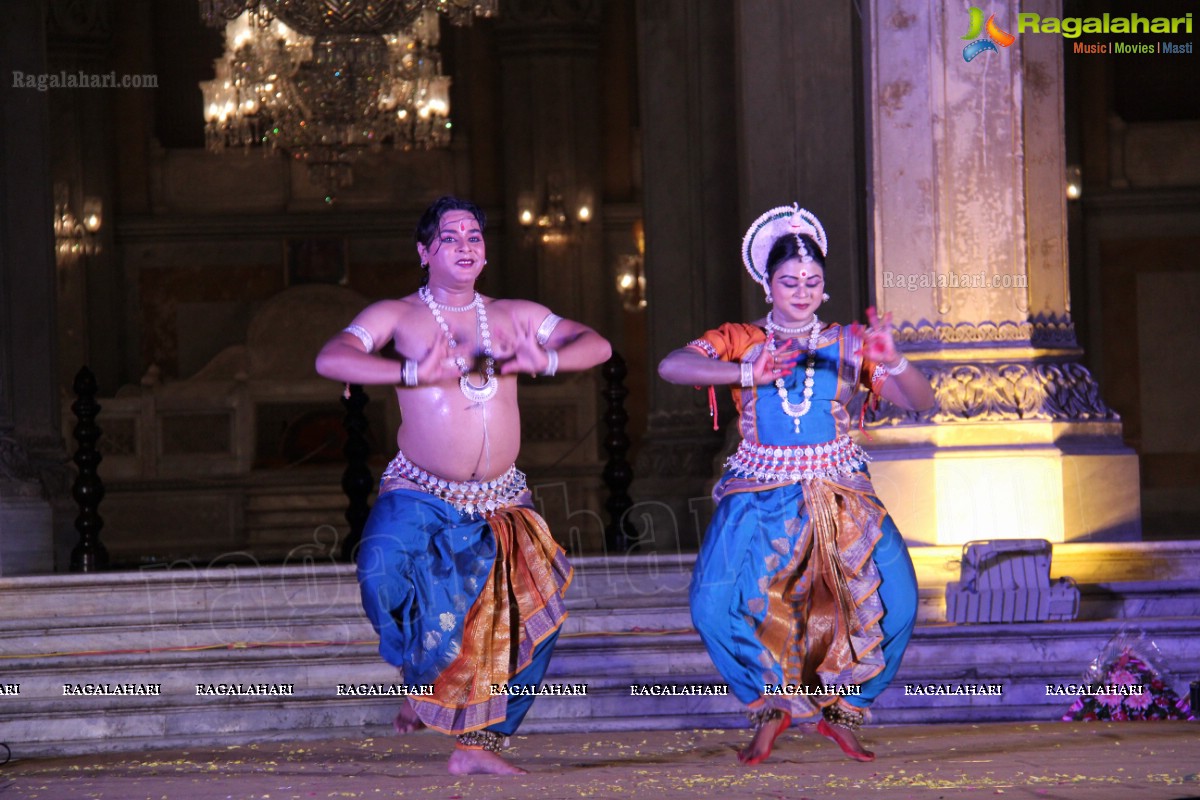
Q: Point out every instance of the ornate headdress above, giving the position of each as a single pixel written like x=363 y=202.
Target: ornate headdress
x=767 y=229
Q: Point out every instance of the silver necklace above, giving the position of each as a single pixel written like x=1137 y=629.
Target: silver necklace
x=813 y=329
x=476 y=394
x=427 y=296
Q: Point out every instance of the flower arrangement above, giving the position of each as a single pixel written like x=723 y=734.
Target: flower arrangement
x=1148 y=696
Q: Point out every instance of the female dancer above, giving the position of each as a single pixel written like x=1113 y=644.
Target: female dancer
x=803 y=592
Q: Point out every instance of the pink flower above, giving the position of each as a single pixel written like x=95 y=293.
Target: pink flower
x=1139 y=701
x=1121 y=676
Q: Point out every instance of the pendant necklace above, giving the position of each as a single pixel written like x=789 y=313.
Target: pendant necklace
x=813 y=329
x=476 y=394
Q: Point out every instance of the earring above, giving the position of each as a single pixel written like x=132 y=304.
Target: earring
x=770 y=299
x=825 y=297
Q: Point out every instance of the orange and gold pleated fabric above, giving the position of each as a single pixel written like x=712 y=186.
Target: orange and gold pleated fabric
x=460 y=602
x=784 y=592
x=519 y=606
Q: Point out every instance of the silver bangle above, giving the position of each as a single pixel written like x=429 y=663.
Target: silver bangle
x=363 y=335
x=551 y=363
x=896 y=370
x=747 y=374
x=408 y=374
x=547 y=327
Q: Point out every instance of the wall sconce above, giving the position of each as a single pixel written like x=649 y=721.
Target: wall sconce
x=1074 y=182
x=631 y=276
x=76 y=236
x=553 y=224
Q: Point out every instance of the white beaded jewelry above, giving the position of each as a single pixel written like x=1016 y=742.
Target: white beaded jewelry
x=814 y=334
x=476 y=394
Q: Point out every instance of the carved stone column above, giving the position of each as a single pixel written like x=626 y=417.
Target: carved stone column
x=799 y=93
x=689 y=156
x=551 y=159
x=969 y=225
x=552 y=152
x=33 y=479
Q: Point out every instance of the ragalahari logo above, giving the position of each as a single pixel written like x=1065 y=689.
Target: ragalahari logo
x=994 y=34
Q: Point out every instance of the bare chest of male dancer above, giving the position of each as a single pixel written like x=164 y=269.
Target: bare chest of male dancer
x=442 y=430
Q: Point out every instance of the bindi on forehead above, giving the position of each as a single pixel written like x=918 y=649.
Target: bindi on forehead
x=465 y=224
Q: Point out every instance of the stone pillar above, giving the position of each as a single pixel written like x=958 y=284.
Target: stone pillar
x=551 y=146
x=90 y=288
x=32 y=456
x=969 y=234
x=692 y=219
x=798 y=110
x=551 y=159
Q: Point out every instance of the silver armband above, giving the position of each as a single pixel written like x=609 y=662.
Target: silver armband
x=547 y=328
x=363 y=335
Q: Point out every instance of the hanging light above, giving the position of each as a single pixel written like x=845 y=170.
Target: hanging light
x=326 y=80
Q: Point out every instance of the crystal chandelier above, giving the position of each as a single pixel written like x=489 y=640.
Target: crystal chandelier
x=325 y=80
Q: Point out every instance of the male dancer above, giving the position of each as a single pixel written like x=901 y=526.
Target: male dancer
x=459 y=576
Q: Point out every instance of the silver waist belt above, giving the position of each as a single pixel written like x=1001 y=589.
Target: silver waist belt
x=770 y=463
x=469 y=497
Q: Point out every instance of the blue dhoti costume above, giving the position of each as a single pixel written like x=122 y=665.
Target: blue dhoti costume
x=464 y=584
x=803 y=593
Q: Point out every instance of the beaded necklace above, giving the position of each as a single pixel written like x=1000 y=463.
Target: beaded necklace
x=476 y=394
x=813 y=329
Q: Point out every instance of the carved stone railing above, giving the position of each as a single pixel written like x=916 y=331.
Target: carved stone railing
x=618 y=473
x=356 y=479
x=89 y=554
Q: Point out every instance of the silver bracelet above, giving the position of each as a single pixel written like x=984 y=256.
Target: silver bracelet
x=747 y=368
x=363 y=335
x=896 y=370
x=408 y=374
x=551 y=363
x=547 y=327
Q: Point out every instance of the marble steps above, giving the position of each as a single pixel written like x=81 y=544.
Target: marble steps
x=345 y=623
x=629 y=623
x=234 y=619
x=1022 y=657
x=279 y=524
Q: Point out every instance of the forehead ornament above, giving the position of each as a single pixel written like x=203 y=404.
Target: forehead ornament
x=768 y=228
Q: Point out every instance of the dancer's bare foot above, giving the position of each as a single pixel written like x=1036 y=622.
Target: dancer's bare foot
x=845 y=739
x=470 y=761
x=407 y=720
x=764 y=739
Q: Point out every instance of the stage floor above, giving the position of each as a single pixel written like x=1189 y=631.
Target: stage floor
x=1046 y=761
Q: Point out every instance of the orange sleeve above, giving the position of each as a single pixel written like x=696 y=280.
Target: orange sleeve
x=728 y=342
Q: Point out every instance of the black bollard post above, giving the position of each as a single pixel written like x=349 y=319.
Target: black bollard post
x=88 y=555
x=618 y=474
x=356 y=480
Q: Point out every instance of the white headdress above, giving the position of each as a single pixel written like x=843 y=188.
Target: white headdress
x=769 y=228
